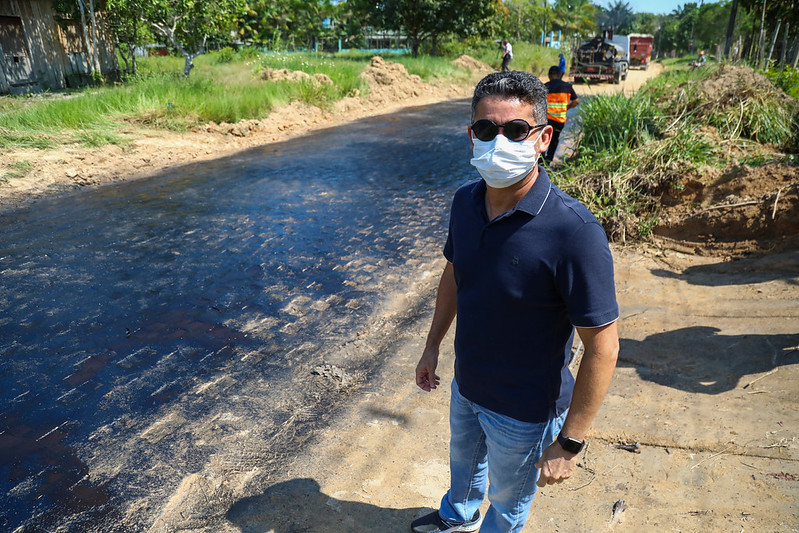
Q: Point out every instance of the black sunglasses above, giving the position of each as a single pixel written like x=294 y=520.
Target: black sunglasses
x=516 y=130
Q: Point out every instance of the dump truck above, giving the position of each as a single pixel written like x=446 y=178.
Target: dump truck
x=637 y=48
x=599 y=59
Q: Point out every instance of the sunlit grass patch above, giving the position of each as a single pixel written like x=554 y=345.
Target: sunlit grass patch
x=19 y=169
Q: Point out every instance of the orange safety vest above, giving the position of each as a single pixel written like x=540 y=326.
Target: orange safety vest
x=556 y=106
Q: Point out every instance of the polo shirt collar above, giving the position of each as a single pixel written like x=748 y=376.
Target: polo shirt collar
x=531 y=203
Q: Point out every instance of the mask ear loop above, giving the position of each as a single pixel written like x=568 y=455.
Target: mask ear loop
x=539 y=137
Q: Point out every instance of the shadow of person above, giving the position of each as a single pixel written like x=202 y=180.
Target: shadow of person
x=698 y=359
x=300 y=505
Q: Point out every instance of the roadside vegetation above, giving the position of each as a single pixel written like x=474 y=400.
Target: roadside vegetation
x=223 y=88
x=226 y=86
x=632 y=151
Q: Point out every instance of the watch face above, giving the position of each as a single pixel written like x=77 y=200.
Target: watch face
x=570 y=445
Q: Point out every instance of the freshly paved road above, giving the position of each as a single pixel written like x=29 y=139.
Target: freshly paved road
x=166 y=298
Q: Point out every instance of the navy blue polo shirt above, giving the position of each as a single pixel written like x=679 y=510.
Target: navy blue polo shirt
x=524 y=281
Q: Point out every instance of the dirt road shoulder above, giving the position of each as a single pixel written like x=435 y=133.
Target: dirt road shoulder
x=698 y=431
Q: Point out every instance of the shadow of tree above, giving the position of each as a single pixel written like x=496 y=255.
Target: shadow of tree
x=758 y=269
x=698 y=359
x=299 y=505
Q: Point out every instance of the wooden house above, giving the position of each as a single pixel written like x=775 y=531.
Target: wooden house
x=41 y=49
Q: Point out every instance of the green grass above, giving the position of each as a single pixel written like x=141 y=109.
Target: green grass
x=159 y=98
x=19 y=169
x=614 y=121
x=224 y=86
x=785 y=78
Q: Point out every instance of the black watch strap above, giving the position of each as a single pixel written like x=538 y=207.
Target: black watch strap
x=570 y=445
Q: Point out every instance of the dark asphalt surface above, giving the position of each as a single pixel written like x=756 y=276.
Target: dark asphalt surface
x=120 y=303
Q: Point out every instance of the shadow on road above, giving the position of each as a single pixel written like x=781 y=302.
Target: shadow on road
x=300 y=505
x=698 y=359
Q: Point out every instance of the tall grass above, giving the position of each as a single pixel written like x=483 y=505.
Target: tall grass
x=631 y=150
x=157 y=100
x=613 y=122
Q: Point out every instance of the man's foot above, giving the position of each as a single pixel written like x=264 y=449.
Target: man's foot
x=432 y=523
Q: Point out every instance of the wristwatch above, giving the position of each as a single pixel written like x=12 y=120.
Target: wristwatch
x=570 y=445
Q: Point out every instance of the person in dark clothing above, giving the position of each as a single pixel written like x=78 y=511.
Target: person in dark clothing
x=560 y=98
x=528 y=268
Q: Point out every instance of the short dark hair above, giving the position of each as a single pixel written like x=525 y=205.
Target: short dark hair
x=554 y=71
x=514 y=84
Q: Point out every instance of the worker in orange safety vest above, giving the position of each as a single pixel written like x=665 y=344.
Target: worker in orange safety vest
x=560 y=98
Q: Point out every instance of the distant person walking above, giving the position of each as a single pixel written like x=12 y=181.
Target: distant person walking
x=507 y=55
x=562 y=63
x=560 y=98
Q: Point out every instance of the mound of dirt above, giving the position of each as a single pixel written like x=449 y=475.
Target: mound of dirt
x=739 y=211
x=391 y=81
x=735 y=83
x=284 y=74
x=472 y=64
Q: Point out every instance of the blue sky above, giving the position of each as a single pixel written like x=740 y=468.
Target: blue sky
x=659 y=7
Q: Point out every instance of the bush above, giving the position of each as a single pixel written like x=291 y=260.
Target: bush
x=224 y=55
x=785 y=78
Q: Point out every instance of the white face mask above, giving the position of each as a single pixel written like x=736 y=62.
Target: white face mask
x=502 y=162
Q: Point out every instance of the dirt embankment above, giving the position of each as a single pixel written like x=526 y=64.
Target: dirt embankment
x=738 y=208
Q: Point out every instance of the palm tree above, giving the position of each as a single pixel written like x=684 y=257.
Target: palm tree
x=576 y=18
x=618 y=17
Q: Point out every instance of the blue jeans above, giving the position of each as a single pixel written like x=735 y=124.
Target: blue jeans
x=487 y=446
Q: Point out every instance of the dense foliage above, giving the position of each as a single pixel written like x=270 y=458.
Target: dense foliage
x=762 y=33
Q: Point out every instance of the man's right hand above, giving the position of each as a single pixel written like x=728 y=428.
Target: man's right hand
x=426 y=377
x=446 y=308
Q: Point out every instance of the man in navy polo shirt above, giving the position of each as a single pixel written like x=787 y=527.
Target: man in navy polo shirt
x=526 y=266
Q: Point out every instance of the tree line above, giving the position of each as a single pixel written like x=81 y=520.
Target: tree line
x=760 y=31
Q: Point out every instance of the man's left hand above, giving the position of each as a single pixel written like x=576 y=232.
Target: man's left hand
x=556 y=465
